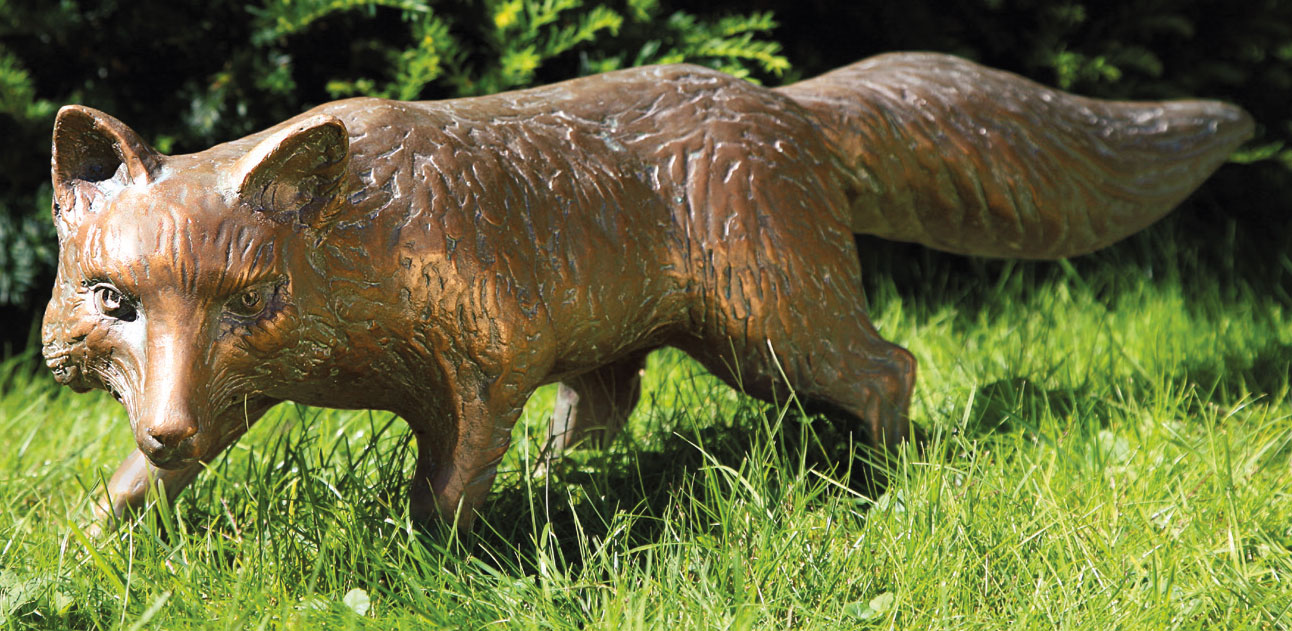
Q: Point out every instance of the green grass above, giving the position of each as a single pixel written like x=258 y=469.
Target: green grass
x=1110 y=447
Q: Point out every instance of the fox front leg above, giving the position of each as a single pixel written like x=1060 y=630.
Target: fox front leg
x=127 y=490
x=456 y=466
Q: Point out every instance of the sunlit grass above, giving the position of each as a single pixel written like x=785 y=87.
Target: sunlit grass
x=1110 y=446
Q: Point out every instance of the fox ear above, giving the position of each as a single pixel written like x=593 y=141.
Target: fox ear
x=92 y=147
x=297 y=170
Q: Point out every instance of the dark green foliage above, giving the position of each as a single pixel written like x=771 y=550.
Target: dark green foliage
x=443 y=49
x=155 y=65
x=24 y=239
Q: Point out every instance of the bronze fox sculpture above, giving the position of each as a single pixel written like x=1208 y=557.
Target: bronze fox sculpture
x=443 y=259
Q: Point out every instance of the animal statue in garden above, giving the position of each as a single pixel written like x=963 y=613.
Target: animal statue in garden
x=444 y=259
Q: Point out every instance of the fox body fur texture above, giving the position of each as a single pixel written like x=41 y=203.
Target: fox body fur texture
x=442 y=260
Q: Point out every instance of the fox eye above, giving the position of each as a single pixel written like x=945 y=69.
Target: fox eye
x=248 y=303
x=110 y=302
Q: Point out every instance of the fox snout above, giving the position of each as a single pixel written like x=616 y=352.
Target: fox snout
x=171 y=407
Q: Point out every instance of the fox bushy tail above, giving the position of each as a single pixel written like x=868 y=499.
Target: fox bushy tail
x=945 y=152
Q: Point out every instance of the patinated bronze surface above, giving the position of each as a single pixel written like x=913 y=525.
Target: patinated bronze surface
x=444 y=259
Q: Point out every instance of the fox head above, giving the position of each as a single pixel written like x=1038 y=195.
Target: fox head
x=174 y=285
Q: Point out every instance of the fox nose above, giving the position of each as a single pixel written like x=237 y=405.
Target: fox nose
x=169 y=435
x=170 y=443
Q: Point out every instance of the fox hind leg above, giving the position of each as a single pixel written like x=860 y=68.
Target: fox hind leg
x=593 y=407
x=857 y=375
x=797 y=316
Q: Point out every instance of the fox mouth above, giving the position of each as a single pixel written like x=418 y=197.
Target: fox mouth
x=176 y=456
x=171 y=463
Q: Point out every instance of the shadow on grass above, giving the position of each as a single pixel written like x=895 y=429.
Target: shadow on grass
x=1241 y=375
x=585 y=497
x=1010 y=405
